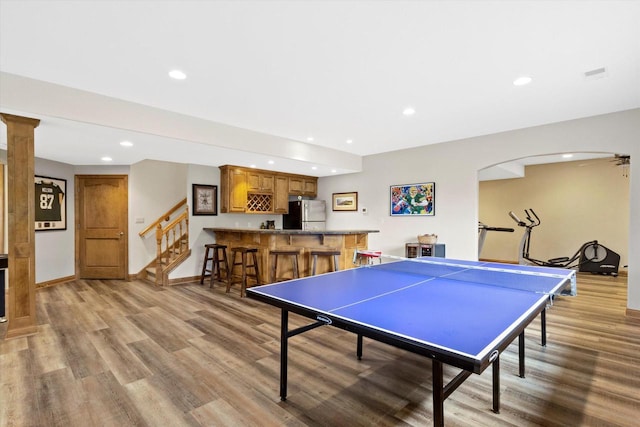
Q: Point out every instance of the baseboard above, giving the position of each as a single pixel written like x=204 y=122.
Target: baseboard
x=130 y=277
x=55 y=282
x=634 y=314
x=183 y=280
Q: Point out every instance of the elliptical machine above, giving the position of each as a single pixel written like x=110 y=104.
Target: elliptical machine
x=592 y=257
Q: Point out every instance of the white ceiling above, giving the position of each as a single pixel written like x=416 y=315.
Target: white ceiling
x=263 y=76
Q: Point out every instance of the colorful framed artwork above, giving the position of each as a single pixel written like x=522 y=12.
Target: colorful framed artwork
x=413 y=199
x=345 y=201
x=50 y=203
x=205 y=199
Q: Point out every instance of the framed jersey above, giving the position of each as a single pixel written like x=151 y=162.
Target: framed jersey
x=50 y=203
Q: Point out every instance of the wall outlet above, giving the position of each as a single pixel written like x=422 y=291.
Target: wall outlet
x=363 y=210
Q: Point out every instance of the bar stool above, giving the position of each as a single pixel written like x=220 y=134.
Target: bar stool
x=274 y=254
x=244 y=253
x=315 y=253
x=217 y=254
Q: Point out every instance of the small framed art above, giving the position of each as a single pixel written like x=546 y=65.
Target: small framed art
x=205 y=199
x=345 y=201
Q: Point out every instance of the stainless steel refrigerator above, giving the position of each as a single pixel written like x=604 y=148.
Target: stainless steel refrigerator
x=305 y=215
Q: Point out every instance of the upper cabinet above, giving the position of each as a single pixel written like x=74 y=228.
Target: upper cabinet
x=233 y=189
x=303 y=186
x=281 y=195
x=311 y=186
x=260 y=182
x=259 y=191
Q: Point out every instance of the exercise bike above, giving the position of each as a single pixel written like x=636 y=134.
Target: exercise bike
x=592 y=257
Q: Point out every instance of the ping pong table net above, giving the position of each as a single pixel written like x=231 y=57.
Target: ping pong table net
x=541 y=280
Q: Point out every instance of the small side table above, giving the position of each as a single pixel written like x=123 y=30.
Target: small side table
x=414 y=250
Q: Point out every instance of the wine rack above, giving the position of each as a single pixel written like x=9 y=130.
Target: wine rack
x=259 y=203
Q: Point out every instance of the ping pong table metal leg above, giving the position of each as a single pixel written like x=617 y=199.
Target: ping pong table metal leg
x=359 y=347
x=284 y=338
x=543 y=326
x=521 y=354
x=285 y=334
x=438 y=393
x=496 y=385
x=441 y=391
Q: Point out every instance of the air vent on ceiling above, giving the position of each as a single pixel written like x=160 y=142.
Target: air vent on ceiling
x=596 y=73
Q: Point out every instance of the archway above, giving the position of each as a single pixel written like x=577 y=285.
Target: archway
x=582 y=198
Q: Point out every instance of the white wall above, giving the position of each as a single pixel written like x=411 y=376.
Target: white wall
x=453 y=166
x=55 y=248
x=154 y=188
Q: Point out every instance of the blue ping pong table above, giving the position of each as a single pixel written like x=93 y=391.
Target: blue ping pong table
x=459 y=313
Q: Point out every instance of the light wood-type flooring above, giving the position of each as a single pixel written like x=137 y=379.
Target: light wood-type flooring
x=117 y=353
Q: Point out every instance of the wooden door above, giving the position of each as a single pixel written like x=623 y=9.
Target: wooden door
x=101 y=226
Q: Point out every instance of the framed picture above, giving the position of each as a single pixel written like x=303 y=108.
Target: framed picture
x=50 y=203
x=413 y=199
x=205 y=199
x=345 y=201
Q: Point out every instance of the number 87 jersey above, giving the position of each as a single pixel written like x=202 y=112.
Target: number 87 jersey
x=48 y=198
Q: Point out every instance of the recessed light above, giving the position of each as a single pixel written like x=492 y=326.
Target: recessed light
x=333 y=171
x=309 y=138
x=106 y=159
x=521 y=81
x=271 y=162
x=567 y=156
x=409 y=111
x=126 y=144
x=252 y=166
x=349 y=141
x=314 y=168
x=177 y=74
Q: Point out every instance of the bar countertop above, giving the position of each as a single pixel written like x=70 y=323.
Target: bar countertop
x=285 y=232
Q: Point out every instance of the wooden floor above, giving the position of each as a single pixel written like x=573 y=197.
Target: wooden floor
x=115 y=353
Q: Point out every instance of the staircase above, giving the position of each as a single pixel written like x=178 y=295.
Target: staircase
x=172 y=244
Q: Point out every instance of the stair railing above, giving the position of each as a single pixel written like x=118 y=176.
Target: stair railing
x=164 y=217
x=172 y=240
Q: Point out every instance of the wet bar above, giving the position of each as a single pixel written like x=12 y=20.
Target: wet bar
x=346 y=241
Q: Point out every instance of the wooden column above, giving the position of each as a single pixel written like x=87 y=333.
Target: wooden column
x=21 y=236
